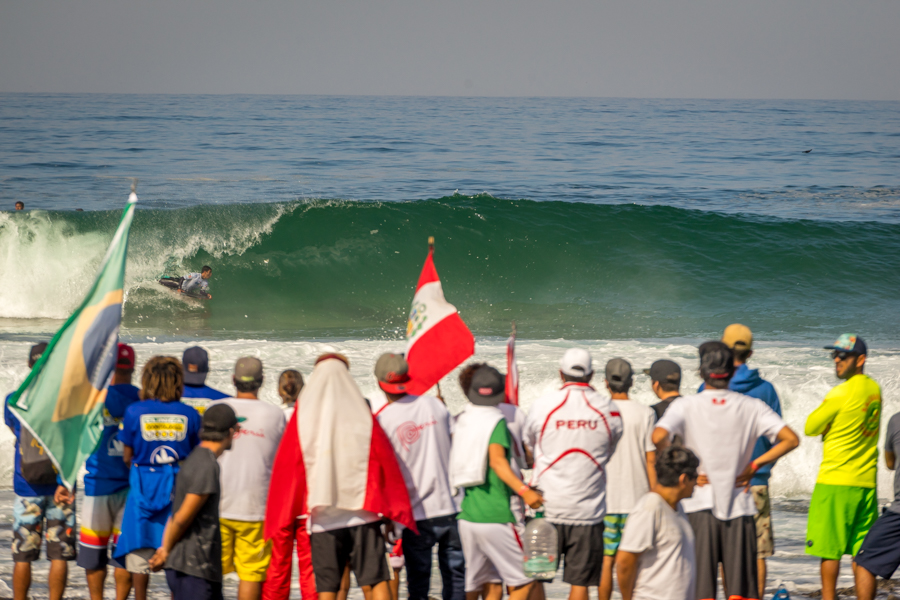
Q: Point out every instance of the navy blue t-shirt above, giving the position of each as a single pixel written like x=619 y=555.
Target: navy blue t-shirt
x=106 y=471
x=20 y=486
x=199 y=396
x=160 y=432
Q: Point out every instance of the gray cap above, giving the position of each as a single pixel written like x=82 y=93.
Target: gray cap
x=392 y=373
x=618 y=370
x=664 y=371
x=488 y=387
x=248 y=368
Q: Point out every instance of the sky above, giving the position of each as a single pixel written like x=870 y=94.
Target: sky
x=805 y=49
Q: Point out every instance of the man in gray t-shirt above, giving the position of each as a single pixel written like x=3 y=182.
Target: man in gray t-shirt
x=880 y=552
x=191 y=550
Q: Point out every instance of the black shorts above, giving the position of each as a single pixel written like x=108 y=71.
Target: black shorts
x=581 y=545
x=189 y=587
x=880 y=551
x=732 y=543
x=362 y=547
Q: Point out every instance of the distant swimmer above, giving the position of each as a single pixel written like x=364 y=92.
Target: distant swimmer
x=20 y=205
x=197 y=283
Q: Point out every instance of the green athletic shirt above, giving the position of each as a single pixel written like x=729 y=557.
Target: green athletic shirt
x=849 y=420
x=489 y=502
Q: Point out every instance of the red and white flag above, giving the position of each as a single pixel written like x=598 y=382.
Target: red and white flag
x=512 y=371
x=437 y=339
x=334 y=454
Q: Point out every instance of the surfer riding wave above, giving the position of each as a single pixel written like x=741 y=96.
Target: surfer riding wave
x=195 y=285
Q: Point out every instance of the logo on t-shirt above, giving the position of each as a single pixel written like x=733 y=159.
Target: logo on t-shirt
x=114 y=447
x=164 y=428
x=409 y=433
x=164 y=455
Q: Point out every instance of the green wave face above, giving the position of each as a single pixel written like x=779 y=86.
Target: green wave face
x=579 y=271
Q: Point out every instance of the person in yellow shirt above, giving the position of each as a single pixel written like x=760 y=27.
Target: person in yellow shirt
x=844 y=503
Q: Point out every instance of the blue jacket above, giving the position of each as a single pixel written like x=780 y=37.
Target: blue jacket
x=748 y=382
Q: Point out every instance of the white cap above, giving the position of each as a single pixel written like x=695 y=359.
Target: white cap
x=576 y=362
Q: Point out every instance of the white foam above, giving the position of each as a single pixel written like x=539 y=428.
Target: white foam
x=801 y=374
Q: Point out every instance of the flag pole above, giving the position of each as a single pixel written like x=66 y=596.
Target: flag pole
x=431 y=243
x=514 y=329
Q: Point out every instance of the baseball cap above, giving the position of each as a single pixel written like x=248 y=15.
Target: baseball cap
x=849 y=342
x=664 y=371
x=218 y=418
x=126 y=358
x=576 y=362
x=618 y=370
x=196 y=365
x=35 y=353
x=738 y=337
x=248 y=368
x=716 y=360
x=392 y=373
x=488 y=387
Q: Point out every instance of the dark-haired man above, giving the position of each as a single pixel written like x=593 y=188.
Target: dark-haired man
x=197 y=283
x=656 y=557
x=720 y=513
x=106 y=485
x=191 y=549
x=573 y=432
x=42 y=506
x=196 y=369
x=844 y=503
x=245 y=476
x=20 y=205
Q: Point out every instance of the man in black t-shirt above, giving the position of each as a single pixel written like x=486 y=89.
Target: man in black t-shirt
x=191 y=550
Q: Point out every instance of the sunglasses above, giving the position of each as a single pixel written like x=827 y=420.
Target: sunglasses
x=838 y=354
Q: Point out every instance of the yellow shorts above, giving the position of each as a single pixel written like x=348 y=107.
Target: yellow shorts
x=244 y=549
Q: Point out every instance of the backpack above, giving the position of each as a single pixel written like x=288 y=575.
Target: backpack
x=37 y=468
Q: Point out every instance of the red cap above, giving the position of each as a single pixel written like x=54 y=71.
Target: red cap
x=126 y=358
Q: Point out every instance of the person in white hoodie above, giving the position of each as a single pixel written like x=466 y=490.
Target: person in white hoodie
x=480 y=464
x=573 y=432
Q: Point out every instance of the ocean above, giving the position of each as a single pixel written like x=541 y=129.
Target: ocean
x=636 y=228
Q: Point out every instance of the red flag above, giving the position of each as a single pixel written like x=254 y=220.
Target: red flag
x=512 y=371
x=437 y=339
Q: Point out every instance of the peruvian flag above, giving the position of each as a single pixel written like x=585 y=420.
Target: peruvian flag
x=437 y=339
x=512 y=370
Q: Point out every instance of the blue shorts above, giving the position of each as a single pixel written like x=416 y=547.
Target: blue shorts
x=880 y=551
x=40 y=517
x=189 y=587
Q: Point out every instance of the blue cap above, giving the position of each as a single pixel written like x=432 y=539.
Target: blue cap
x=849 y=342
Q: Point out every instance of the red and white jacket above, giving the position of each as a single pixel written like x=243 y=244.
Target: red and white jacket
x=573 y=433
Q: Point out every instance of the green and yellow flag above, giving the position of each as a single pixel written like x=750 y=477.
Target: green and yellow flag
x=61 y=399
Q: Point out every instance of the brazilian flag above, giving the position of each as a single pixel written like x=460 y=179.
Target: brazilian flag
x=61 y=400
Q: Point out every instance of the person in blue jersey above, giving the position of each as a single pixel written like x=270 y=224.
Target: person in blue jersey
x=748 y=381
x=196 y=368
x=106 y=485
x=42 y=506
x=156 y=434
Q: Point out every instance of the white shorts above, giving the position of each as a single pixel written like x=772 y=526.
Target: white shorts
x=493 y=554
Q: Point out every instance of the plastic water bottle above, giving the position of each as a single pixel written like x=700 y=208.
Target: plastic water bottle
x=782 y=594
x=541 y=548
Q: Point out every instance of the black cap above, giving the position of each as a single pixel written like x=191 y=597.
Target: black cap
x=664 y=371
x=35 y=353
x=196 y=365
x=218 y=418
x=488 y=387
x=716 y=360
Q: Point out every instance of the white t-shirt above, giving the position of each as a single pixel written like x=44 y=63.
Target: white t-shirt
x=245 y=470
x=419 y=430
x=573 y=432
x=665 y=541
x=515 y=422
x=626 y=472
x=329 y=518
x=721 y=427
